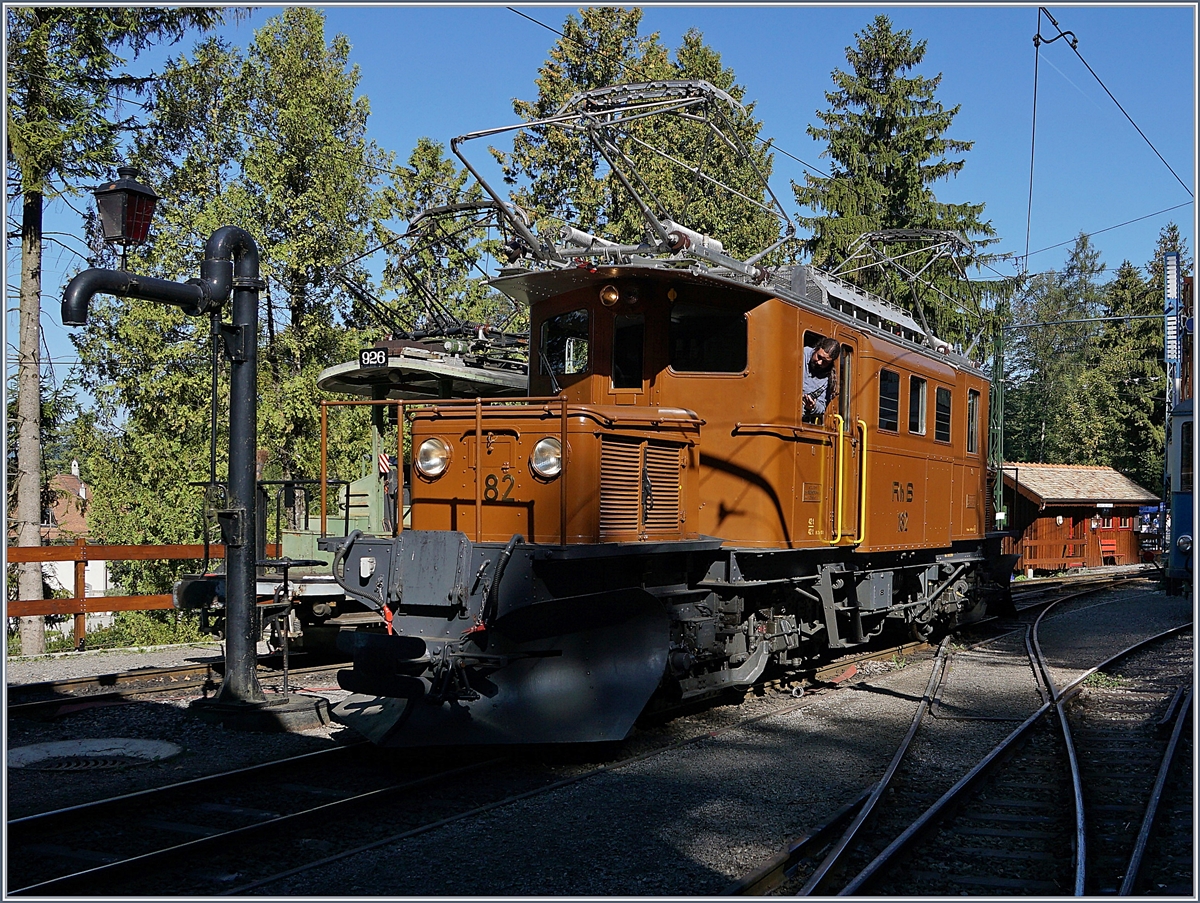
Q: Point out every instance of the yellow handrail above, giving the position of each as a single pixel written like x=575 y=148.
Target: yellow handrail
x=841 y=470
x=862 y=486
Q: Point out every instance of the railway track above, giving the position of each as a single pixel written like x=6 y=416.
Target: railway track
x=300 y=813
x=50 y=699
x=1023 y=820
x=47 y=699
x=194 y=836
x=286 y=837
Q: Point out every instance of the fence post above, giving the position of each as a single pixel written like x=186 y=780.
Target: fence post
x=80 y=592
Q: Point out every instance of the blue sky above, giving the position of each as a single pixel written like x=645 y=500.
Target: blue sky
x=442 y=71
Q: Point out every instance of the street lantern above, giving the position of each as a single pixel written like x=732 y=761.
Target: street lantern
x=126 y=208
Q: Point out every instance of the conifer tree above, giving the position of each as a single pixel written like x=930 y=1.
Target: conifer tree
x=1129 y=366
x=886 y=137
x=1048 y=384
x=561 y=178
x=272 y=140
x=62 y=128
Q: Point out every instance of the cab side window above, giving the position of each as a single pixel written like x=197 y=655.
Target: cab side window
x=972 y=422
x=564 y=343
x=941 y=415
x=916 y=405
x=1185 y=461
x=889 y=400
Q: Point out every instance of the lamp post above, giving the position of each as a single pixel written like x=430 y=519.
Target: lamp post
x=126 y=209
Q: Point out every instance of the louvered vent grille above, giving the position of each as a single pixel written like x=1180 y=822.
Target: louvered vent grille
x=662 y=466
x=620 y=485
x=639 y=487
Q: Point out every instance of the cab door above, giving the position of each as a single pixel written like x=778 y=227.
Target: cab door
x=848 y=450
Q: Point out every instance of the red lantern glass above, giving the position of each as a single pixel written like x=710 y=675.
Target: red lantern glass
x=126 y=208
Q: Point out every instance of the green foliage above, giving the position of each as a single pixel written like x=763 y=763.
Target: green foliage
x=129 y=628
x=1104 y=681
x=1047 y=365
x=63 y=88
x=885 y=134
x=1091 y=393
x=442 y=266
x=563 y=179
x=59 y=411
x=272 y=140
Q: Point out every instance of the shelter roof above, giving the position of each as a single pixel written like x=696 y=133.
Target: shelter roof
x=1075 y=484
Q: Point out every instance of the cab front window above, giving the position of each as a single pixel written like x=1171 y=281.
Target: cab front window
x=564 y=343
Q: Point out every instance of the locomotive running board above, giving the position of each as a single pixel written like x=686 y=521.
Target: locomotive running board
x=591 y=691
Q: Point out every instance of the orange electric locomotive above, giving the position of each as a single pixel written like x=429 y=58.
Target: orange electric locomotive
x=672 y=510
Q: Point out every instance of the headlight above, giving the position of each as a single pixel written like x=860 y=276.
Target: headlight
x=433 y=456
x=546 y=459
x=1184 y=544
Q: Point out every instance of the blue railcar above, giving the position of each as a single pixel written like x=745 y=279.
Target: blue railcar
x=1179 y=554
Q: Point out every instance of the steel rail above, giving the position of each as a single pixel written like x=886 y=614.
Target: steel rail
x=817 y=879
x=1094 y=587
x=488 y=807
x=115 y=678
x=182 y=678
x=1132 y=872
x=780 y=867
x=86 y=880
x=1058 y=700
x=931 y=816
x=54 y=819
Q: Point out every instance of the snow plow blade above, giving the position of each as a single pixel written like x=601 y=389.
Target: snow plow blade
x=587 y=685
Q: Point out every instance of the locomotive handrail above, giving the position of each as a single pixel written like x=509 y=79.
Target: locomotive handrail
x=796 y=429
x=327 y=403
x=479 y=470
x=839 y=483
x=862 y=485
x=632 y=417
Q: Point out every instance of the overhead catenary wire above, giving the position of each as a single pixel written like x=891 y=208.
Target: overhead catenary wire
x=1037 y=52
x=118 y=97
x=1074 y=46
x=1023 y=266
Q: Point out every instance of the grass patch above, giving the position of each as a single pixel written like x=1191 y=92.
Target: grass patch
x=1103 y=681
x=129 y=629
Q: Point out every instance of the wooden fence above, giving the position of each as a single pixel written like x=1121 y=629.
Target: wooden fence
x=81 y=553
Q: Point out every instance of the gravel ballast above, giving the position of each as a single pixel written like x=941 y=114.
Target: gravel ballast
x=684 y=822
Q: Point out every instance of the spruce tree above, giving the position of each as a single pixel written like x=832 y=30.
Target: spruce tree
x=1129 y=363
x=885 y=134
x=563 y=179
x=1049 y=389
x=64 y=90
x=271 y=139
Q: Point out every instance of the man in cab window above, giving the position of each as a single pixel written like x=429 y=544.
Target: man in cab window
x=818 y=377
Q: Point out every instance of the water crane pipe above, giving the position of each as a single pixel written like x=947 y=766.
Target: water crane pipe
x=229 y=269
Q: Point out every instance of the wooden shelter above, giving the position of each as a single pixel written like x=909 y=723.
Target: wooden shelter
x=1065 y=516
